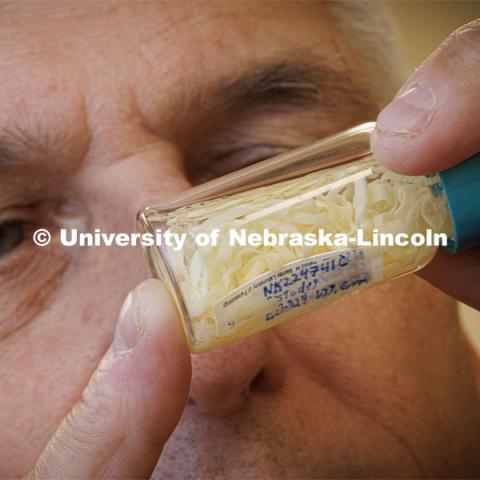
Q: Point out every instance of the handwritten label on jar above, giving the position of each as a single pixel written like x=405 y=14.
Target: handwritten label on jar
x=297 y=287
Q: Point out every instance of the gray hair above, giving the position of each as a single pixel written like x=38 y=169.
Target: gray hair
x=370 y=32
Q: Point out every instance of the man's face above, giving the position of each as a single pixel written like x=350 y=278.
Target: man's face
x=108 y=107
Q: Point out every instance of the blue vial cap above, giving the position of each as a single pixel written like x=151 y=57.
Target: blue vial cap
x=462 y=189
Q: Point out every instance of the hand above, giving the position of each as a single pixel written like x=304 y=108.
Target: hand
x=432 y=124
x=133 y=400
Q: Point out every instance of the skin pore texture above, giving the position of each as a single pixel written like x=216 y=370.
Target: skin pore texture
x=108 y=107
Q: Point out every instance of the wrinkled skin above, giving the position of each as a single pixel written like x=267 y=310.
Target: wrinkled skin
x=124 y=106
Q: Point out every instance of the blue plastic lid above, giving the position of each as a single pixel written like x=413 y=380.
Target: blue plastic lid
x=462 y=189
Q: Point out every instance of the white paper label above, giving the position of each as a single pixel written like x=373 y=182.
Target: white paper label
x=296 y=287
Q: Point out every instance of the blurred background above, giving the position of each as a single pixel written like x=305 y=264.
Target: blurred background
x=422 y=25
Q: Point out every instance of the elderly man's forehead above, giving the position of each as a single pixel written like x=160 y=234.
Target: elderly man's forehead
x=128 y=24
x=145 y=39
x=170 y=14
x=103 y=63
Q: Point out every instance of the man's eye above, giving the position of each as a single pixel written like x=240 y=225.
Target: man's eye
x=12 y=234
x=243 y=157
x=235 y=160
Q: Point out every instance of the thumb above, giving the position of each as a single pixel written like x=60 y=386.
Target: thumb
x=433 y=121
x=133 y=401
x=432 y=124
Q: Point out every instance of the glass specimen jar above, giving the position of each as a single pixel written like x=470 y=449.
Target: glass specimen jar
x=297 y=231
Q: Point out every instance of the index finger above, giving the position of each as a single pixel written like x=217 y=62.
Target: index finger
x=133 y=401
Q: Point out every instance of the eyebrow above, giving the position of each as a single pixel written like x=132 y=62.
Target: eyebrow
x=18 y=148
x=292 y=83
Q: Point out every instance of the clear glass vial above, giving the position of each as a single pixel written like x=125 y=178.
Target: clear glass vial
x=226 y=290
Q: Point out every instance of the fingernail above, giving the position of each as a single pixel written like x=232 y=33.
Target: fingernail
x=129 y=326
x=154 y=302
x=142 y=314
x=409 y=113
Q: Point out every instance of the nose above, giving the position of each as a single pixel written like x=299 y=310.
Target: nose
x=225 y=379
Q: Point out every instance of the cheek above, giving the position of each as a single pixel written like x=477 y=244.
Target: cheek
x=28 y=284
x=45 y=365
